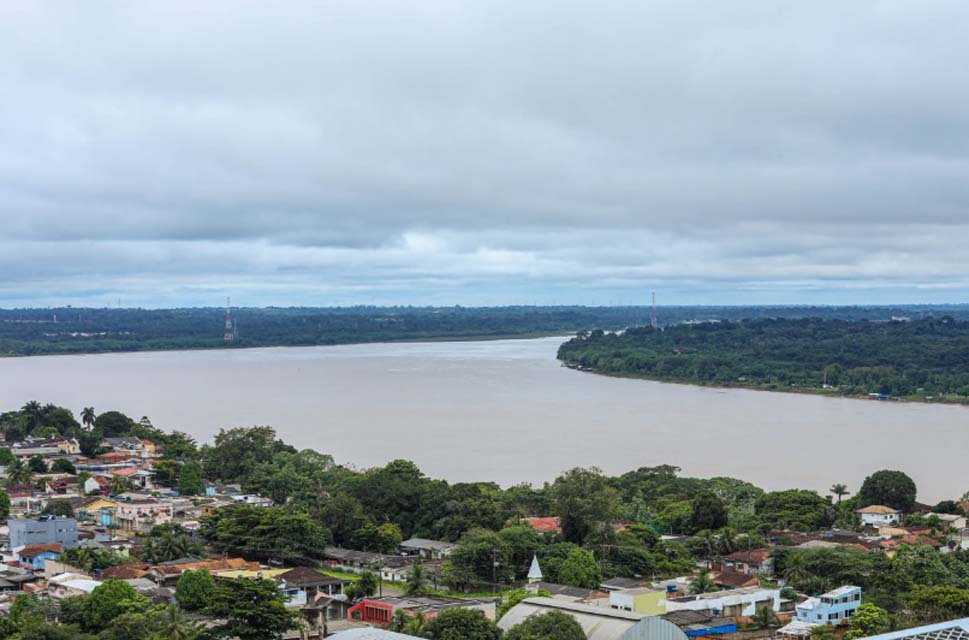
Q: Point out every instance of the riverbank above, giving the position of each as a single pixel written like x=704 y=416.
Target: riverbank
x=828 y=393
x=239 y=347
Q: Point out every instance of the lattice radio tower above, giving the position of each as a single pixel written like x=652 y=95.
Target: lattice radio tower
x=230 y=334
x=652 y=315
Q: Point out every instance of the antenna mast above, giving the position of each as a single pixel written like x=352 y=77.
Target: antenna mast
x=230 y=334
x=652 y=315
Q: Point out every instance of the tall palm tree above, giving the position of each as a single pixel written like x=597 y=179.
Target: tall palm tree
x=764 y=617
x=33 y=411
x=88 y=417
x=417 y=582
x=173 y=624
x=795 y=572
x=19 y=472
x=119 y=484
x=702 y=582
x=728 y=540
x=709 y=545
x=839 y=490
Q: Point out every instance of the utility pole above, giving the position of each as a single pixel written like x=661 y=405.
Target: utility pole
x=494 y=571
x=230 y=334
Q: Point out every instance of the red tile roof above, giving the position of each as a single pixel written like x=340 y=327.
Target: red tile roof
x=545 y=525
x=126 y=571
x=34 y=550
x=735 y=579
x=127 y=471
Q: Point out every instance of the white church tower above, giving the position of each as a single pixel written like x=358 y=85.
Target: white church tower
x=535 y=572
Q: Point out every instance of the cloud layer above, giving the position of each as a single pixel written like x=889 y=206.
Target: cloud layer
x=466 y=152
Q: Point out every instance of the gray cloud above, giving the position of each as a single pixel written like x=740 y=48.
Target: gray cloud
x=166 y=152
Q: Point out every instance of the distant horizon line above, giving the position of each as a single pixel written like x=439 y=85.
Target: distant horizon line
x=894 y=305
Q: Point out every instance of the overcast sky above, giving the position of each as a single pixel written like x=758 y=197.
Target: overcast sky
x=483 y=152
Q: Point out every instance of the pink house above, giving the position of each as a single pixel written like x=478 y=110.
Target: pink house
x=141 y=516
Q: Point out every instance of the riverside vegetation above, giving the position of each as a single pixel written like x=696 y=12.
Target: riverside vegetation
x=610 y=526
x=924 y=359
x=84 y=330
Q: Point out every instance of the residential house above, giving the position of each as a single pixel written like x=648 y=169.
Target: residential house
x=130 y=445
x=253 y=500
x=730 y=579
x=81 y=586
x=754 y=561
x=168 y=573
x=877 y=515
x=97 y=510
x=138 y=478
x=427 y=549
x=954 y=521
x=353 y=560
x=142 y=515
x=302 y=584
x=61 y=487
x=832 y=608
x=36 y=556
x=43 y=530
x=126 y=571
x=24 y=499
x=97 y=484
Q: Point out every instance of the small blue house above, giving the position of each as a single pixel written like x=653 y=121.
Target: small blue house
x=35 y=556
x=833 y=608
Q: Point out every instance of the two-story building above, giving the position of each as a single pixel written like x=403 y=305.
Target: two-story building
x=302 y=585
x=831 y=608
x=752 y=562
x=732 y=603
x=43 y=530
x=142 y=515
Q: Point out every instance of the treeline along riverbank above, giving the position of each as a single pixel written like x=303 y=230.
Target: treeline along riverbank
x=920 y=359
x=85 y=330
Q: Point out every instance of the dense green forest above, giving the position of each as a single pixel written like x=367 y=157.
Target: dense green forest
x=924 y=358
x=81 y=330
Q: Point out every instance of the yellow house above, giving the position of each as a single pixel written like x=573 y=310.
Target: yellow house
x=648 y=600
x=97 y=505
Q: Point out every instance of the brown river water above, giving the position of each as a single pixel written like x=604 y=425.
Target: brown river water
x=506 y=411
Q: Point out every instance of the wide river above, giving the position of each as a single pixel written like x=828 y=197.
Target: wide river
x=505 y=411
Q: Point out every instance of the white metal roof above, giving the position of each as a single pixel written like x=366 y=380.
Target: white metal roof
x=951 y=630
